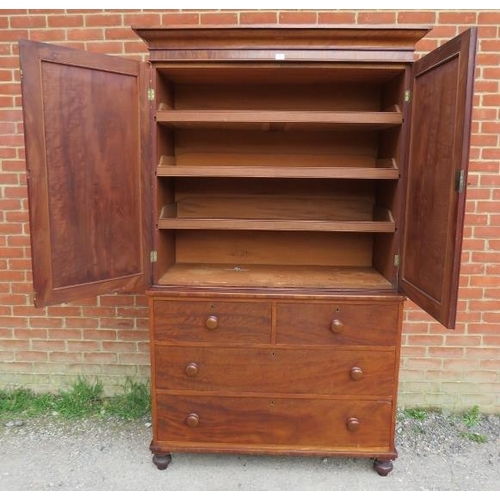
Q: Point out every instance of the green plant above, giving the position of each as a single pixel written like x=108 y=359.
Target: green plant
x=134 y=403
x=471 y=417
x=25 y=402
x=83 y=399
x=416 y=413
x=474 y=436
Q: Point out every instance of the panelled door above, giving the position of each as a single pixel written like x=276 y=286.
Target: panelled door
x=84 y=115
x=438 y=153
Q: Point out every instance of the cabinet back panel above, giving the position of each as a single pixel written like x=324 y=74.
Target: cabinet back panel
x=265 y=247
x=320 y=97
x=275 y=199
x=261 y=148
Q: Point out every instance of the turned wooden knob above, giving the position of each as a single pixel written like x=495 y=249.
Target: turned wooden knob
x=192 y=370
x=337 y=326
x=212 y=322
x=192 y=420
x=352 y=424
x=356 y=373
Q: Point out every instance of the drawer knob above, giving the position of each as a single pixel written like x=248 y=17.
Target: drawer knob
x=192 y=420
x=356 y=373
x=352 y=424
x=192 y=369
x=337 y=326
x=212 y=322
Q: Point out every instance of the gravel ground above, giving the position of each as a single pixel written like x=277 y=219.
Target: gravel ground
x=50 y=454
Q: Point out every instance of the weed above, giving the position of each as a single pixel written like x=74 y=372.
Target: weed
x=416 y=413
x=83 y=399
x=471 y=417
x=134 y=403
x=474 y=436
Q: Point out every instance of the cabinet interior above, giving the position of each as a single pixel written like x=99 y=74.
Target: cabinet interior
x=274 y=175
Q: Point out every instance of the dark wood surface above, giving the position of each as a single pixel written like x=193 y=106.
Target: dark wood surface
x=438 y=151
x=276 y=370
x=273 y=424
x=82 y=121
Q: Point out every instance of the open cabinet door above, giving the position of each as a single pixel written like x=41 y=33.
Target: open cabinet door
x=87 y=182
x=438 y=153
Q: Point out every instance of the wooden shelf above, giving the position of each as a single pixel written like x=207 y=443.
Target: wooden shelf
x=384 y=223
x=378 y=173
x=274 y=276
x=284 y=120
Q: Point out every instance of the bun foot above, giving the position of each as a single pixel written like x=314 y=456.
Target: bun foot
x=383 y=467
x=162 y=461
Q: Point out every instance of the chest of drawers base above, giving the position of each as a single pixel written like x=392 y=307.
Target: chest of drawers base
x=275 y=374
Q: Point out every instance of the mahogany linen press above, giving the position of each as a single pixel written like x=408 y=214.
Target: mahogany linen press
x=277 y=192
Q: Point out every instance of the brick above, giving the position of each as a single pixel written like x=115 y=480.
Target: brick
x=93 y=20
x=376 y=17
x=120 y=346
x=258 y=17
x=218 y=18
x=105 y=47
x=99 y=357
x=65 y=21
x=180 y=18
x=48 y=35
x=297 y=17
x=490 y=17
x=417 y=17
x=27 y=21
x=134 y=358
x=142 y=19
x=338 y=17
x=31 y=356
x=86 y=34
x=460 y=17
x=118 y=34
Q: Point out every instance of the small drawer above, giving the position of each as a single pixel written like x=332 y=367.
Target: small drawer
x=276 y=371
x=260 y=422
x=212 y=321
x=373 y=323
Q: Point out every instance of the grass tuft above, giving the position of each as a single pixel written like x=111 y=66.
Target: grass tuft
x=84 y=399
x=416 y=413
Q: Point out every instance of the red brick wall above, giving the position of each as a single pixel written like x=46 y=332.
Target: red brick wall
x=46 y=349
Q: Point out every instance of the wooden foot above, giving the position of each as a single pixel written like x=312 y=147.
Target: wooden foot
x=383 y=467
x=162 y=461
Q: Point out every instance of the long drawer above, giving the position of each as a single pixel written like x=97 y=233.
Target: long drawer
x=276 y=370
x=297 y=423
x=338 y=323
x=212 y=321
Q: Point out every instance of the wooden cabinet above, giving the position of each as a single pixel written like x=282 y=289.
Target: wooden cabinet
x=278 y=192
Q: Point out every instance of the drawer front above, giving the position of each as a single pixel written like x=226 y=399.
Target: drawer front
x=212 y=321
x=374 y=323
x=299 y=422
x=275 y=370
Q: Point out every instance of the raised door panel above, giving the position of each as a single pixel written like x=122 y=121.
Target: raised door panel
x=83 y=120
x=437 y=166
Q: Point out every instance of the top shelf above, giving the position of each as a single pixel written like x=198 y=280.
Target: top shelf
x=283 y=120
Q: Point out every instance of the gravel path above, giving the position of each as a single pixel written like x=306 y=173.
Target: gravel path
x=48 y=454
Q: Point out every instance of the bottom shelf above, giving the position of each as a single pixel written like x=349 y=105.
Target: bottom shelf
x=274 y=276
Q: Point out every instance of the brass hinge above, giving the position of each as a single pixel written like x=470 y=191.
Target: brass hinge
x=396 y=260
x=151 y=94
x=407 y=95
x=153 y=256
x=460 y=181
